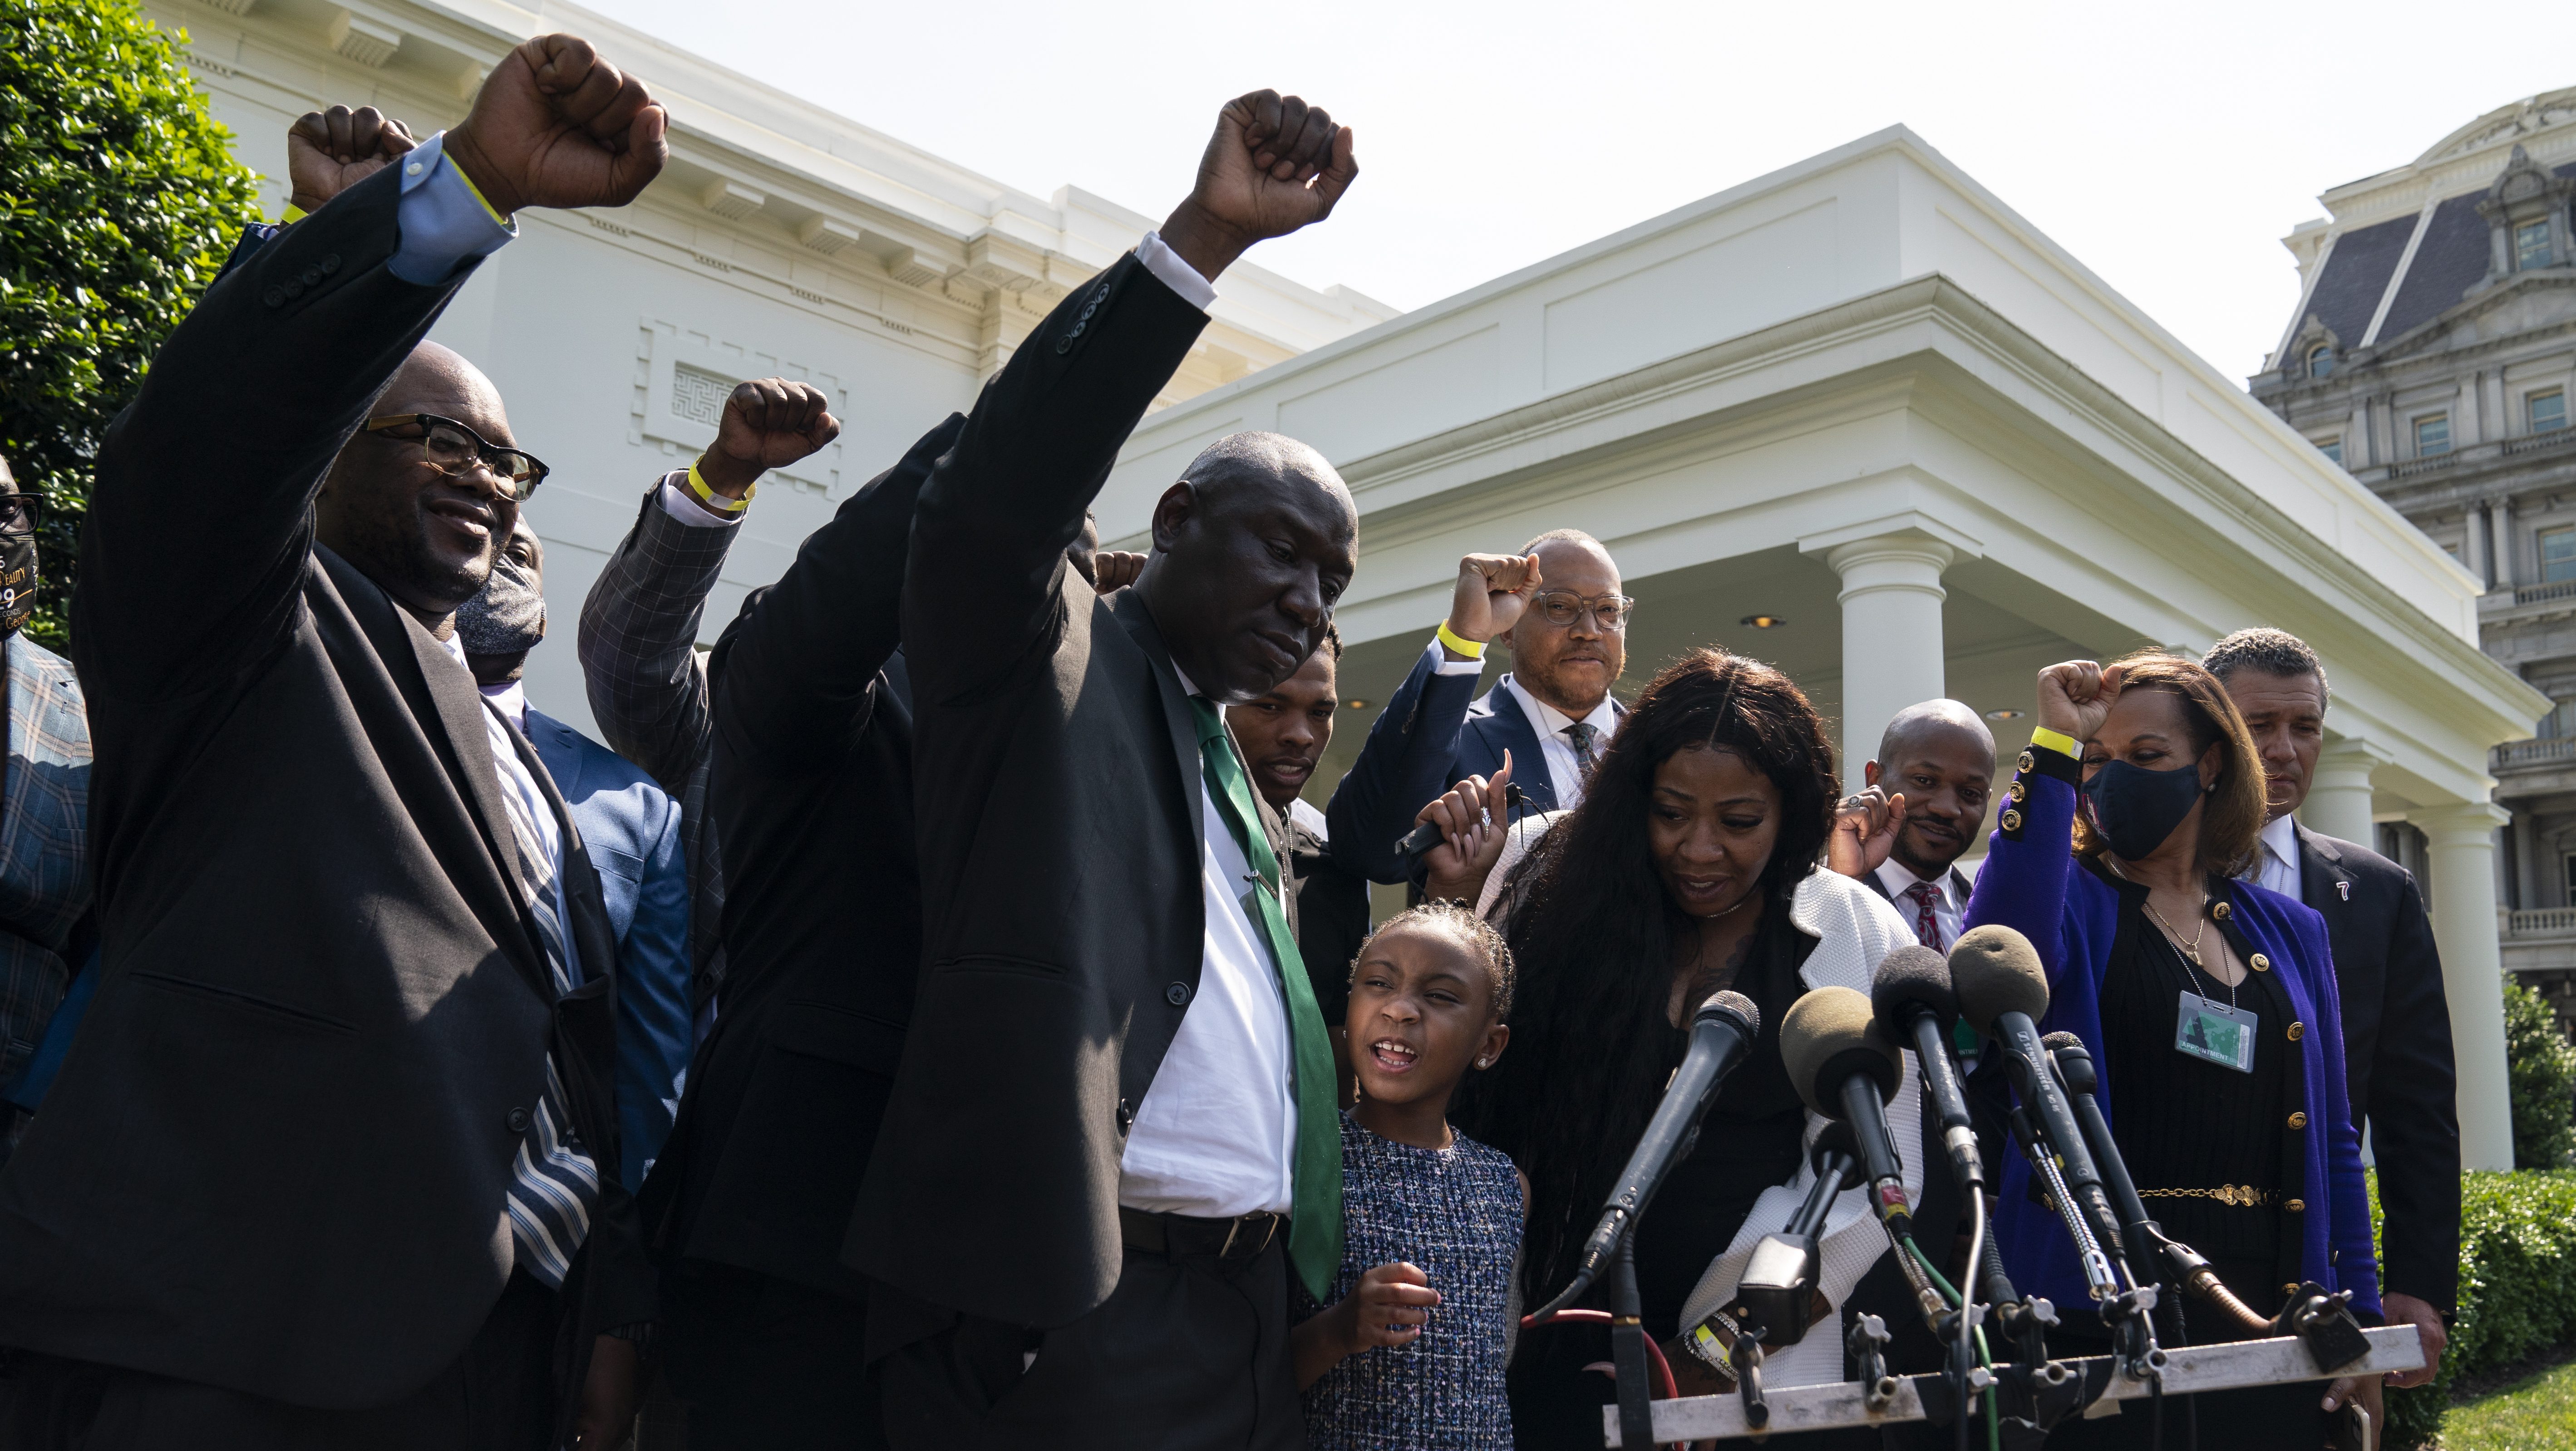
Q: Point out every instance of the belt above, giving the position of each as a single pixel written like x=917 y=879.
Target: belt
x=1239 y=1238
x=2241 y=1196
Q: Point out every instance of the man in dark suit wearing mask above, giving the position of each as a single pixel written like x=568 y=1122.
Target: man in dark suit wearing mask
x=335 y=1163
x=1116 y=1087
x=2396 y=1021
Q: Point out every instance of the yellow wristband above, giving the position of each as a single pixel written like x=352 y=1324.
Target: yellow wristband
x=2058 y=741
x=291 y=215
x=476 y=192
x=715 y=501
x=1472 y=649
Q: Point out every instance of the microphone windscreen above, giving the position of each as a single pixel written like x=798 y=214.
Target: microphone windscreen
x=2061 y=1039
x=1912 y=975
x=1725 y=1005
x=2075 y=1067
x=1995 y=971
x=1829 y=1035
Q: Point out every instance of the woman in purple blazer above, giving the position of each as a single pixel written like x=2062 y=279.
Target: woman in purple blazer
x=2209 y=1007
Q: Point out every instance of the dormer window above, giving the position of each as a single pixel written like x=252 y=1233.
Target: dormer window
x=2320 y=361
x=2531 y=245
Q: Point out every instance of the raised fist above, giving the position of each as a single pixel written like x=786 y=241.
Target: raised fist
x=2075 y=697
x=767 y=424
x=556 y=126
x=1274 y=164
x=1864 y=831
x=1492 y=591
x=328 y=152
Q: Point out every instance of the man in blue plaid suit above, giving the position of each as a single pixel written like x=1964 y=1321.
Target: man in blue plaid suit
x=44 y=809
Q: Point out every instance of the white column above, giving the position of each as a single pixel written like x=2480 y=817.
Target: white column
x=2504 y=547
x=1892 y=645
x=2338 y=803
x=2473 y=542
x=2460 y=859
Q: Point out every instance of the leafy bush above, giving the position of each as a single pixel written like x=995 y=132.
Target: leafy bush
x=2540 y=1064
x=2517 y=1287
x=119 y=198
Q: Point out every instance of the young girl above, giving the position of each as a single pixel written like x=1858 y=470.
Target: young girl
x=1410 y=1356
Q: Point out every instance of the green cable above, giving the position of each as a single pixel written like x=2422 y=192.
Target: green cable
x=1994 y=1425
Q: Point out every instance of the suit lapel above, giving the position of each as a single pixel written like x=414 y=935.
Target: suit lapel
x=1520 y=735
x=2323 y=882
x=1132 y=616
x=557 y=750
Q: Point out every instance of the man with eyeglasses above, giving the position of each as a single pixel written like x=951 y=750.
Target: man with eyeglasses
x=1557 y=604
x=337 y=1161
x=46 y=930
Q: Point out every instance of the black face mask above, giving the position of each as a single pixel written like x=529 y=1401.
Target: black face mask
x=508 y=617
x=2135 y=809
x=17 y=580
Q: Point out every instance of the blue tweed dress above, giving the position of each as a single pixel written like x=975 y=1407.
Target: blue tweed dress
x=1455 y=1213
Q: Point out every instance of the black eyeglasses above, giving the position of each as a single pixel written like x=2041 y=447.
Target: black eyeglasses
x=1561 y=610
x=454 y=449
x=19 y=513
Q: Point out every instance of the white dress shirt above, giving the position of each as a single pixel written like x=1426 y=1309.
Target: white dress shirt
x=2276 y=865
x=1217 y=1133
x=1311 y=819
x=1949 y=914
x=511 y=703
x=1563 y=772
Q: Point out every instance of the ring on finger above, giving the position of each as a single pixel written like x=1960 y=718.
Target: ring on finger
x=1485 y=817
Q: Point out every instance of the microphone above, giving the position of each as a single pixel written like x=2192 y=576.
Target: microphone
x=1845 y=1070
x=1777 y=1290
x=2001 y=988
x=1913 y=1000
x=1721 y=1037
x=1426 y=834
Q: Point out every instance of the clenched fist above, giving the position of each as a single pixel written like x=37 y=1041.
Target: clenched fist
x=2075 y=697
x=1492 y=591
x=767 y=424
x=328 y=152
x=557 y=126
x=1274 y=164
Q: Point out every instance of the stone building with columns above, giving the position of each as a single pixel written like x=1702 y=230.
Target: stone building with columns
x=1861 y=420
x=2433 y=355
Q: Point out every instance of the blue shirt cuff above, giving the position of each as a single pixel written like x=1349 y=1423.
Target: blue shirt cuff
x=444 y=222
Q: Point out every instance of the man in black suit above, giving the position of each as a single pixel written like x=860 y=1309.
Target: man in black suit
x=2398 y=1068
x=334 y=1161
x=1920 y=810
x=1117 y=1084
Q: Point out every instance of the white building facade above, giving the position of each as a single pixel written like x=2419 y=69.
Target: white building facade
x=1859 y=396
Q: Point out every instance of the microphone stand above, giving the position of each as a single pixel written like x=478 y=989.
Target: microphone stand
x=1628 y=1347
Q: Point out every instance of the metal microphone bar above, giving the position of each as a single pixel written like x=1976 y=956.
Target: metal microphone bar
x=2187 y=1369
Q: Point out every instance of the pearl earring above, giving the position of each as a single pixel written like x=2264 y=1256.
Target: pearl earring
x=1484 y=1062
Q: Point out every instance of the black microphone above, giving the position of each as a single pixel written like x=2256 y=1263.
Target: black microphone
x=2075 y=1069
x=1846 y=1070
x=1721 y=1037
x=2001 y=988
x=1913 y=1000
x=1426 y=835
x=1777 y=1290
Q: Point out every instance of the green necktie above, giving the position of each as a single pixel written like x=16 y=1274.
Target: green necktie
x=1315 y=1221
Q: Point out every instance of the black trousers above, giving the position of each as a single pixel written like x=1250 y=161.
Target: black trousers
x=764 y=1363
x=497 y=1396
x=1189 y=1352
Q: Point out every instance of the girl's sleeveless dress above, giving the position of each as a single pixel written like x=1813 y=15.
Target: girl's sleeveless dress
x=1455 y=1213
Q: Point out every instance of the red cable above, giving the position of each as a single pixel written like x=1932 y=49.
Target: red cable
x=1663 y=1367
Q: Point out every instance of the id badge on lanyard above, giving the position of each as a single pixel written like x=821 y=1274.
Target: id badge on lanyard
x=2216 y=1033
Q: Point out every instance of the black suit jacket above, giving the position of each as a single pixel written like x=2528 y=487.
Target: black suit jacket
x=1057 y=799
x=2398 y=1068
x=812 y=786
x=277 y=1155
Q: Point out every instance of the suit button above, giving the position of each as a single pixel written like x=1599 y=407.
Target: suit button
x=1177 y=994
x=2221 y=911
x=2010 y=820
x=311 y=276
x=1126 y=1116
x=2260 y=963
x=2295 y=1206
x=2290 y=1289
x=2026 y=762
x=2016 y=793
x=294 y=289
x=274 y=297
x=2298 y=1031
x=2299 y=1120
x=330 y=263
x=1063 y=346
x=518 y=1120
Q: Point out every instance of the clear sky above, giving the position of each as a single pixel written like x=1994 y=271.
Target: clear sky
x=2168 y=146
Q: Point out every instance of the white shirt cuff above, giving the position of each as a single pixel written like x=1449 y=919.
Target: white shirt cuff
x=441 y=220
x=1177 y=275
x=1441 y=664
x=680 y=504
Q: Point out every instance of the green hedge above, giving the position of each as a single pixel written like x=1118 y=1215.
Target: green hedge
x=2517 y=1287
x=2540 y=1073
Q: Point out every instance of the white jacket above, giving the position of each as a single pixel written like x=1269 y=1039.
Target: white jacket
x=1854 y=929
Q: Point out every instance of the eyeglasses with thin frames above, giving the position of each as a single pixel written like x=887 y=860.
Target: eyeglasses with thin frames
x=454 y=449
x=20 y=513
x=1611 y=612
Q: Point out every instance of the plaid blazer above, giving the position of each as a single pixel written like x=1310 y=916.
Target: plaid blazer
x=44 y=869
x=648 y=692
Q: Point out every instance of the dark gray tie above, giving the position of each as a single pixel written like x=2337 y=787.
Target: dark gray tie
x=1586 y=755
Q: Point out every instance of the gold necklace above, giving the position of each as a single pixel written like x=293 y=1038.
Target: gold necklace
x=2197 y=927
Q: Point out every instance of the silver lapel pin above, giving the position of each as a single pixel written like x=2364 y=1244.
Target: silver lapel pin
x=2344 y=890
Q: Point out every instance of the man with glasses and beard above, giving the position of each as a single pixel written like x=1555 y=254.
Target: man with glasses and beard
x=337 y=1163
x=45 y=928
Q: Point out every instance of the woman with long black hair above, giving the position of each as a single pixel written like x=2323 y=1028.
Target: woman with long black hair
x=1690 y=867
